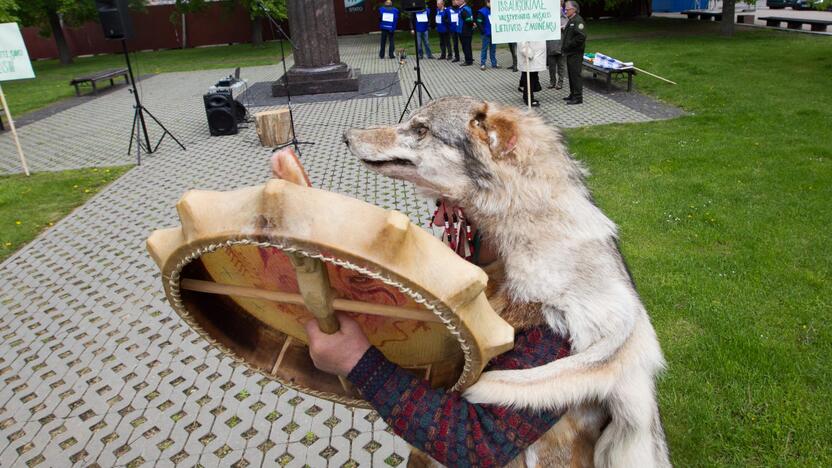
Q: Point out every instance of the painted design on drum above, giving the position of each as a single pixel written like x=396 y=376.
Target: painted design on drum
x=270 y=268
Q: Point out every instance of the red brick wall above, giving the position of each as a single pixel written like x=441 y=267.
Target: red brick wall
x=154 y=30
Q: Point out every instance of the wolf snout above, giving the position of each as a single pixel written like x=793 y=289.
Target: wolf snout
x=346 y=137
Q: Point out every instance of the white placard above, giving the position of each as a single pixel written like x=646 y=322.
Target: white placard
x=526 y=20
x=439 y=18
x=454 y=17
x=422 y=17
x=387 y=17
x=14 y=60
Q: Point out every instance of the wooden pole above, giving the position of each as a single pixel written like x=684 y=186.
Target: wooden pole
x=528 y=82
x=654 y=76
x=14 y=131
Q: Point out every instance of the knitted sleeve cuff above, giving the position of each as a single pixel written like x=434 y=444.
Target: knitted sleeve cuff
x=371 y=372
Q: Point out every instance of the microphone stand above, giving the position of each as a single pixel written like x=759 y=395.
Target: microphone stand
x=139 y=125
x=418 y=84
x=294 y=142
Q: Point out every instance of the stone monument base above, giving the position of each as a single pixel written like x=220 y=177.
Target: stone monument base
x=321 y=80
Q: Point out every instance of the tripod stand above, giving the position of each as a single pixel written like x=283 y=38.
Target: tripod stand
x=418 y=85
x=294 y=142
x=139 y=124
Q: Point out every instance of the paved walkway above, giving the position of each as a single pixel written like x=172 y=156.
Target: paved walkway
x=97 y=370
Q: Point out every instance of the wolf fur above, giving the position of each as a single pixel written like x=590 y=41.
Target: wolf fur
x=514 y=177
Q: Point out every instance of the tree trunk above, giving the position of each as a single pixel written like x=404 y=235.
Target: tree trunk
x=727 y=26
x=257 y=31
x=60 y=41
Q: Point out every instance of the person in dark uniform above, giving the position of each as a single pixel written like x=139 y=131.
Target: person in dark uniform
x=388 y=19
x=443 y=27
x=466 y=35
x=574 y=43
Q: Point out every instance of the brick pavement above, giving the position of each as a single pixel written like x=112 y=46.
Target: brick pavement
x=96 y=369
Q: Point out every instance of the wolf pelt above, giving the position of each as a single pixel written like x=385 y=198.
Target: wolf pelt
x=514 y=177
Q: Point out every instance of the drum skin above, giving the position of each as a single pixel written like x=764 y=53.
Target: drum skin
x=423 y=306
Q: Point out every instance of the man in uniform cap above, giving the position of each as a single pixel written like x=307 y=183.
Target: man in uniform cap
x=574 y=43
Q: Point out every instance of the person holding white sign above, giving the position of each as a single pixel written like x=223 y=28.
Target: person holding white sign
x=421 y=26
x=389 y=19
x=532 y=60
x=443 y=28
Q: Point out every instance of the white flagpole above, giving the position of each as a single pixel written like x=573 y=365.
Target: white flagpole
x=14 y=131
x=654 y=76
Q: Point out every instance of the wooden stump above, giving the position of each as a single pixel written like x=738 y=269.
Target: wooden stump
x=274 y=127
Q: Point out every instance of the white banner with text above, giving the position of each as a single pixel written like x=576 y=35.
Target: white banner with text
x=525 y=20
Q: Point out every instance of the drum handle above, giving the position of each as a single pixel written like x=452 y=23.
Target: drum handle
x=313 y=283
x=314 y=286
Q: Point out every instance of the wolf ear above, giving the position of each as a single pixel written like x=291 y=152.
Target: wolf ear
x=502 y=130
x=496 y=128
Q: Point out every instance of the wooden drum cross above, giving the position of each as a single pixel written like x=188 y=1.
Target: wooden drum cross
x=247 y=268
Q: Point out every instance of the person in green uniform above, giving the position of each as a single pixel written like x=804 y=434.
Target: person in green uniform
x=574 y=43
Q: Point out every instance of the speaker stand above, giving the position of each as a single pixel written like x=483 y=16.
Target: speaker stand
x=418 y=84
x=139 y=129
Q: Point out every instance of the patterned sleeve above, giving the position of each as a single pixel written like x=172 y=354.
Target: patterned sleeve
x=446 y=426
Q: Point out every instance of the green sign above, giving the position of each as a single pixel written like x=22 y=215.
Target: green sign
x=525 y=20
x=14 y=60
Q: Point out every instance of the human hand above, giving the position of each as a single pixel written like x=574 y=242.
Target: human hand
x=339 y=352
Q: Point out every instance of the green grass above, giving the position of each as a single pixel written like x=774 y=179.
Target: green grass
x=51 y=83
x=725 y=220
x=29 y=205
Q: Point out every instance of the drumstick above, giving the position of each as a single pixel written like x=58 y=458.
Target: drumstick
x=344 y=305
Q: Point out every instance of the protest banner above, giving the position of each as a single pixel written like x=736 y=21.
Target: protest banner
x=525 y=20
x=14 y=65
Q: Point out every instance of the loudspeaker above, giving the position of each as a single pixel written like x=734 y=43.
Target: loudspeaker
x=115 y=18
x=222 y=112
x=413 y=5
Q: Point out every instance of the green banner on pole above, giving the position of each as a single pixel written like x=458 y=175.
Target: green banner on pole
x=14 y=60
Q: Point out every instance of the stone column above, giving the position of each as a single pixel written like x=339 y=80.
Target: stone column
x=318 y=67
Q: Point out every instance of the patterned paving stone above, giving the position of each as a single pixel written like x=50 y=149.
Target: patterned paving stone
x=95 y=367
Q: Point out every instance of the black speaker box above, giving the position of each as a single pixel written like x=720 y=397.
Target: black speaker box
x=413 y=5
x=222 y=112
x=115 y=18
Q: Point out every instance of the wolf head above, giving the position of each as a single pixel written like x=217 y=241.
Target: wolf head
x=457 y=147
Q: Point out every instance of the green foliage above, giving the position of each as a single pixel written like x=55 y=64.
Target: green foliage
x=190 y=6
x=275 y=8
x=73 y=12
x=8 y=11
